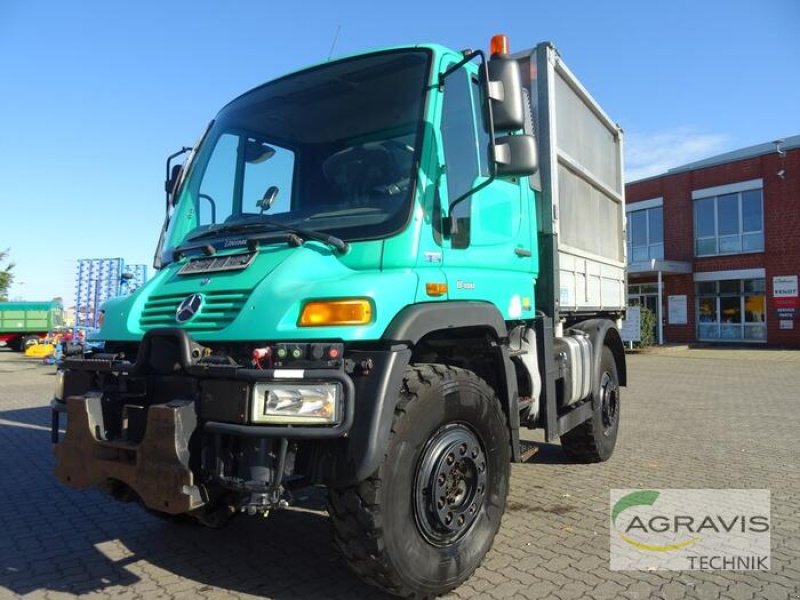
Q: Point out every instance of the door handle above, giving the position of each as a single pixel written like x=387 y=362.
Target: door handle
x=523 y=252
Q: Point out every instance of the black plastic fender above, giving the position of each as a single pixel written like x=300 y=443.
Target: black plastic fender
x=604 y=332
x=418 y=320
x=378 y=394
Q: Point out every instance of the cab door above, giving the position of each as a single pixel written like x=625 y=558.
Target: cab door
x=488 y=254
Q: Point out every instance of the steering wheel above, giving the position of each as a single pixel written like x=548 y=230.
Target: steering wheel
x=391 y=176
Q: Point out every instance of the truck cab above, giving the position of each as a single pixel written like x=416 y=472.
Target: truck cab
x=362 y=285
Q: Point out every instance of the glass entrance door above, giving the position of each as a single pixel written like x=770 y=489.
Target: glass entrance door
x=646 y=295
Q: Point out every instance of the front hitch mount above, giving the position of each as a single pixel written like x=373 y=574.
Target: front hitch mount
x=155 y=469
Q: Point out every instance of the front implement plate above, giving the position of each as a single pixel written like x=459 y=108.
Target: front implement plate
x=157 y=469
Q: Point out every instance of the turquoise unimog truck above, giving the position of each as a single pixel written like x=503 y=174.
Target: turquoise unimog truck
x=372 y=274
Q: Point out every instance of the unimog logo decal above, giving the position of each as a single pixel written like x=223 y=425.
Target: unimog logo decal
x=188 y=308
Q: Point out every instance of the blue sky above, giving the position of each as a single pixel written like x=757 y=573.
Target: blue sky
x=94 y=95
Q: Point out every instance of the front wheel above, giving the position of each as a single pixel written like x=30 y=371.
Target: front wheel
x=594 y=440
x=422 y=523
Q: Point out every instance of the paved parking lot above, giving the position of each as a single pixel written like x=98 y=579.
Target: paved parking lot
x=691 y=418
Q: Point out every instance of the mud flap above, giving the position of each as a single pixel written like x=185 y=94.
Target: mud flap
x=157 y=469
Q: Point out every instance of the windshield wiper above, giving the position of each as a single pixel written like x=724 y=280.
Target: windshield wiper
x=213 y=231
x=319 y=236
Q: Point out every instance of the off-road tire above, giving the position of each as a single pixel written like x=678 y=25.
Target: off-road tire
x=594 y=440
x=386 y=528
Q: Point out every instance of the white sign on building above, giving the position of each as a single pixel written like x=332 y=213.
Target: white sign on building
x=677 y=310
x=632 y=325
x=784 y=286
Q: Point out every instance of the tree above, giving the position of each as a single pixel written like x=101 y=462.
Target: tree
x=6 y=276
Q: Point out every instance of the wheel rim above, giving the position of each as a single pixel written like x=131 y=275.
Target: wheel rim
x=609 y=400
x=450 y=484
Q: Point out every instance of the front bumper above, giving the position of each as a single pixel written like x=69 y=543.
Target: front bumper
x=140 y=423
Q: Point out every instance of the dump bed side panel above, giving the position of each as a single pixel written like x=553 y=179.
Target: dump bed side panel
x=582 y=202
x=23 y=317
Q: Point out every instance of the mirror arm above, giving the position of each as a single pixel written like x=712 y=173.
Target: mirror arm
x=496 y=91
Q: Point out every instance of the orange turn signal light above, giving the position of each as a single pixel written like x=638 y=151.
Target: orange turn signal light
x=436 y=289
x=319 y=313
x=499 y=44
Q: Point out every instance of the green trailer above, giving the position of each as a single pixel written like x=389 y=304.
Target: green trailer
x=23 y=324
x=373 y=273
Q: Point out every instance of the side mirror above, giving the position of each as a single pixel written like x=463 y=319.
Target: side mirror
x=171 y=182
x=516 y=156
x=173 y=175
x=505 y=93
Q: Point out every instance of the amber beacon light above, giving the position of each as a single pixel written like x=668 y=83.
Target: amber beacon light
x=499 y=44
x=351 y=311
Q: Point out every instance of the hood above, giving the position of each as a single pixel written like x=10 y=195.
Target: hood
x=262 y=301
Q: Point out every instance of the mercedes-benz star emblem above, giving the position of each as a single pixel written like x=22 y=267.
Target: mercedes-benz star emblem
x=188 y=308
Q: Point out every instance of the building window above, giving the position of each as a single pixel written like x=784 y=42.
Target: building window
x=729 y=223
x=732 y=309
x=645 y=234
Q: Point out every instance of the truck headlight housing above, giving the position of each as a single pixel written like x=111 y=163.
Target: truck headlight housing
x=351 y=311
x=58 y=392
x=296 y=403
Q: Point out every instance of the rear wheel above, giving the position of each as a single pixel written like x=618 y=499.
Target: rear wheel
x=422 y=523
x=29 y=341
x=594 y=440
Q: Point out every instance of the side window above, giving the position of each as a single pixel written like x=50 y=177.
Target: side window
x=461 y=150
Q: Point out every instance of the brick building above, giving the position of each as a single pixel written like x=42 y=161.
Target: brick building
x=722 y=236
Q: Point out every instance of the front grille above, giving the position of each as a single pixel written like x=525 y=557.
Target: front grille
x=218 y=310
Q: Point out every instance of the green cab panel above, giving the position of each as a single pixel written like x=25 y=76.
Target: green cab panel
x=263 y=302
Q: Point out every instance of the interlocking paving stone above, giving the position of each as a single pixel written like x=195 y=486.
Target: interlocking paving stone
x=690 y=418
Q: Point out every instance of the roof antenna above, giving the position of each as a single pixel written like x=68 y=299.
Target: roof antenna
x=335 y=39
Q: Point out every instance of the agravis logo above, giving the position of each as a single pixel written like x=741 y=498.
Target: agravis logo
x=690 y=529
x=647 y=498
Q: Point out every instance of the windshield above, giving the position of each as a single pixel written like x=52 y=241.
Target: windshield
x=331 y=149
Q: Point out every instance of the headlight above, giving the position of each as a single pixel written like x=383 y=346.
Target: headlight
x=58 y=393
x=296 y=403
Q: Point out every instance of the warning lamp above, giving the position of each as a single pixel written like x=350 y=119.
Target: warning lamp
x=498 y=45
x=349 y=311
x=435 y=289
